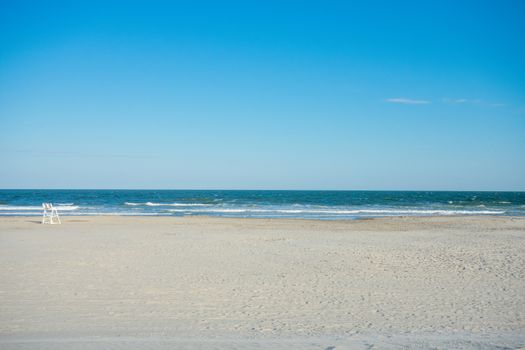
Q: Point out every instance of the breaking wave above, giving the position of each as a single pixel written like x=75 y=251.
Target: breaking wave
x=151 y=204
x=33 y=208
x=343 y=212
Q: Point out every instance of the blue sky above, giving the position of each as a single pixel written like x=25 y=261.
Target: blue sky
x=263 y=95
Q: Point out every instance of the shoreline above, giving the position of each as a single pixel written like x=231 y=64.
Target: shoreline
x=155 y=215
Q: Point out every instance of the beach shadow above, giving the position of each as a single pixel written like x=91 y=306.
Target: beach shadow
x=35 y=221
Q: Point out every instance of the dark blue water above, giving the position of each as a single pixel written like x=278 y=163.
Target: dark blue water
x=274 y=204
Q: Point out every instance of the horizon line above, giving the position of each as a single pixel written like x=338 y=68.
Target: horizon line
x=245 y=189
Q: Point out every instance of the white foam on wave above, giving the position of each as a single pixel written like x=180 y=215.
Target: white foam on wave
x=15 y=213
x=39 y=208
x=14 y=207
x=151 y=204
x=343 y=212
x=116 y=214
x=66 y=207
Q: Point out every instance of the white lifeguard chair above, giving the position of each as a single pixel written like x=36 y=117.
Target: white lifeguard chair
x=50 y=214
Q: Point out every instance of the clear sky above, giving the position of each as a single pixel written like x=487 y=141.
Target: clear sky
x=263 y=95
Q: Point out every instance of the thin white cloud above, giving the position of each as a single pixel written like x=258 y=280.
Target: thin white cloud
x=455 y=100
x=477 y=102
x=406 y=101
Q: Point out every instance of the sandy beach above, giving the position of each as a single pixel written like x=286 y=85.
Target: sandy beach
x=219 y=283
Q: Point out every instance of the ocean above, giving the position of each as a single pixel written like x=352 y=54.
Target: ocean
x=327 y=205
